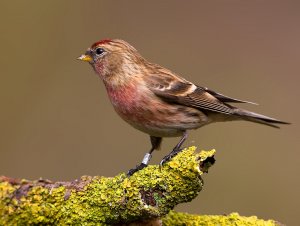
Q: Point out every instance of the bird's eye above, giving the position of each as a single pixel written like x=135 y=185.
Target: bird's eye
x=99 y=51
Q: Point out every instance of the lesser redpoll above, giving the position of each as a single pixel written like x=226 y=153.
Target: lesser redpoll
x=157 y=101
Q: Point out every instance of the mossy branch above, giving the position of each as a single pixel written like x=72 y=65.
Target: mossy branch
x=175 y=218
x=142 y=199
x=148 y=194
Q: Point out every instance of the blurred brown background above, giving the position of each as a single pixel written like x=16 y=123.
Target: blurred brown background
x=57 y=123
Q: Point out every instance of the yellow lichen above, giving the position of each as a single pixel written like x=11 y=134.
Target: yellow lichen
x=175 y=218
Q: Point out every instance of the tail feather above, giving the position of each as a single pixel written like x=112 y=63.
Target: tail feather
x=258 y=118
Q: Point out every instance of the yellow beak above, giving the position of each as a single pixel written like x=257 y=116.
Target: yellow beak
x=86 y=58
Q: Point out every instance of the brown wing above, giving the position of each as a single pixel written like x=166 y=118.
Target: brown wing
x=177 y=90
x=224 y=98
x=201 y=99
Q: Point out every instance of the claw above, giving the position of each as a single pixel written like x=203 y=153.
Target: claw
x=137 y=168
x=168 y=157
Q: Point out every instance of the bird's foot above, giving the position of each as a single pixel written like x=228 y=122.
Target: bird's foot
x=137 y=168
x=142 y=165
x=168 y=157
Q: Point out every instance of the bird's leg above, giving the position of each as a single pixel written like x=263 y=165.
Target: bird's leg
x=175 y=150
x=155 y=142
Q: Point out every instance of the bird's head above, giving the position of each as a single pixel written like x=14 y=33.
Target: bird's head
x=115 y=61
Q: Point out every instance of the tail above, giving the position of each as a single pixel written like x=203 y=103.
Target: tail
x=258 y=118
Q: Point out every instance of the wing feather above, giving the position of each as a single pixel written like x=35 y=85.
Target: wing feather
x=177 y=90
x=226 y=98
x=203 y=100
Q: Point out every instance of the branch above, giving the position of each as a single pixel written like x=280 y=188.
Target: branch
x=174 y=218
x=147 y=195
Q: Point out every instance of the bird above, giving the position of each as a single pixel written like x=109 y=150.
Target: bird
x=157 y=101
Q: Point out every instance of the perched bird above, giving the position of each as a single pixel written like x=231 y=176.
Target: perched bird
x=157 y=101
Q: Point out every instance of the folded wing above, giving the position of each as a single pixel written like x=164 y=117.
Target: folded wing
x=180 y=91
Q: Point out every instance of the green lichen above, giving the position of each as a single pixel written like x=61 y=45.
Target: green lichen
x=175 y=218
x=149 y=193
